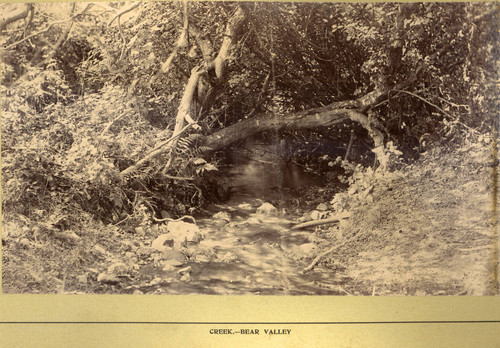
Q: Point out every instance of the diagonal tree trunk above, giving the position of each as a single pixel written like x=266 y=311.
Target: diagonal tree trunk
x=196 y=90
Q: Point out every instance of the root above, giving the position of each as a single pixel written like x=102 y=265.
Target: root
x=176 y=220
x=323 y=254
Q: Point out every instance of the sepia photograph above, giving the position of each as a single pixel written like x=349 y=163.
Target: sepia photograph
x=250 y=148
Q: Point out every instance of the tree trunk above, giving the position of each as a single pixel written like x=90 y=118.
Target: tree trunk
x=326 y=116
x=19 y=13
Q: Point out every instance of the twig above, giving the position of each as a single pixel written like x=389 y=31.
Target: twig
x=111 y=123
x=349 y=146
x=331 y=220
x=121 y=13
x=178 y=177
x=124 y=43
x=176 y=220
x=425 y=101
x=334 y=287
x=323 y=254
x=35 y=34
x=155 y=152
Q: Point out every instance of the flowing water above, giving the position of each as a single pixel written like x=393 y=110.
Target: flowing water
x=256 y=253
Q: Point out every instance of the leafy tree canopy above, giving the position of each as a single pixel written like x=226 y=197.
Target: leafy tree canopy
x=103 y=96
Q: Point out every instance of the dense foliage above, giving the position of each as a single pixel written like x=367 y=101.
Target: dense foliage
x=88 y=91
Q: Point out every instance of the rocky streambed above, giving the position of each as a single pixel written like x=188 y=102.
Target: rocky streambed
x=247 y=248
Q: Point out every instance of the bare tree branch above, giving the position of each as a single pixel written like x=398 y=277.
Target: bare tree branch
x=132 y=6
x=158 y=150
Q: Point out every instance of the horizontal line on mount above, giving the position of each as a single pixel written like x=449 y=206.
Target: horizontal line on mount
x=259 y=323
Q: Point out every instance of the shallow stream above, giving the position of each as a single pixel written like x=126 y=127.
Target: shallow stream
x=256 y=253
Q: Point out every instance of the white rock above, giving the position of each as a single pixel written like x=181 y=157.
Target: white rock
x=184 y=232
x=316 y=215
x=322 y=207
x=222 y=215
x=245 y=206
x=155 y=281
x=139 y=230
x=163 y=242
x=267 y=209
x=107 y=279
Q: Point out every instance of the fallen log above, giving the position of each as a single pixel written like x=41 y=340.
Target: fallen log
x=331 y=220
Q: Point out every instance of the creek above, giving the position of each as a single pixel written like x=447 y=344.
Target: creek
x=256 y=253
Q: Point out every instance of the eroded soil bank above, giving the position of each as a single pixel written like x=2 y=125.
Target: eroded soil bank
x=432 y=228
x=427 y=228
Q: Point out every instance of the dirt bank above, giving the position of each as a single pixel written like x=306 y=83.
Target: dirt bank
x=430 y=230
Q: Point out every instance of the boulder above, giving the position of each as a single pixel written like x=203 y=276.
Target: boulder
x=222 y=216
x=183 y=232
x=162 y=242
x=173 y=257
x=267 y=209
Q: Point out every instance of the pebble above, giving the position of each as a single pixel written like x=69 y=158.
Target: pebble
x=107 y=279
x=316 y=215
x=129 y=255
x=100 y=249
x=322 y=207
x=184 y=270
x=164 y=214
x=82 y=279
x=167 y=266
x=118 y=268
x=139 y=230
x=144 y=252
x=186 y=278
x=229 y=257
x=128 y=245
